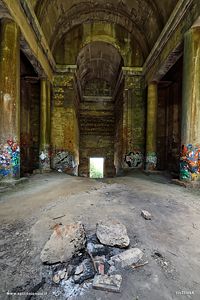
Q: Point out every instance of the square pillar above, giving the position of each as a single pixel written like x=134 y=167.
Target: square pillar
x=44 y=150
x=151 y=130
x=190 y=129
x=9 y=100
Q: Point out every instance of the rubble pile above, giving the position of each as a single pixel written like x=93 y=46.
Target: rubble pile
x=82 y=257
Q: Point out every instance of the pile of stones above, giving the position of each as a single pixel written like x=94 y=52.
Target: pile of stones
x=81 y=257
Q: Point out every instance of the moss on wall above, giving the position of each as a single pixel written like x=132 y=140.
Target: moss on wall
x=67 y=50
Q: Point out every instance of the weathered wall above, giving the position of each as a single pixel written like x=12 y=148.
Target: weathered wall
x=118 y=137
x=64 y=125
x=97 y=127
x=161 y=128
x=134 y=112
x=169 y=119
x=29 y=117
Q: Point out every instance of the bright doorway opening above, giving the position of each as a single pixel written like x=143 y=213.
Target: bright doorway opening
x=96 y=167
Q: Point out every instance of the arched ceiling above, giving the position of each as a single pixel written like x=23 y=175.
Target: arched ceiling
x=143 y=19
x=99 y=60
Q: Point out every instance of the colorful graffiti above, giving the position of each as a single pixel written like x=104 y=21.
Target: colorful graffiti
x=10 y=159
x=190 y=163
x=151 y=162
x=133 y=159
x=63 y=160
x=45 y=159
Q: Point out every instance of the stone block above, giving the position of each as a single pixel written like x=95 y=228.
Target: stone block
x=108 y=283
x=112 y=233
x=126 y=258
x=65 y=242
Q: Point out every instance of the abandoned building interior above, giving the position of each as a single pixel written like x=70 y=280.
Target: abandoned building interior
x=117 y=80
x=112 y=79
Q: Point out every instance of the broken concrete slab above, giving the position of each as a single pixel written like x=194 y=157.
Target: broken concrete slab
x=126 y=258
x=65 y=242
x=108 y=283
x=146 y=215
x=111 y=283
x=56 y=278
x=62 y=274
x=79 y=270
x=112 y=233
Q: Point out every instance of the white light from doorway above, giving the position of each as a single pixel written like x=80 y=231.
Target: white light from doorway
x=96 y=167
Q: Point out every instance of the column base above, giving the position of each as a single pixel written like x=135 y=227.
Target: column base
x=190 y=164
x=151 y=162
x=44 y=160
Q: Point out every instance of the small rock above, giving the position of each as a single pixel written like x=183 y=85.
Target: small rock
x=146 y=215
x=112 y=233
x=100 y=259
x=17 y=233
x=110 y=283
x=71 y=270
x=66 y=277
x=56 y=278
x=62 y=274
x=98 y=246
x=79 y=270
x=126 y=258
x=112 y=270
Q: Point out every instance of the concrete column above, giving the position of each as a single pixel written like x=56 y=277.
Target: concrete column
x=9 y=100
x=190 y=129
x=151 y=131
x=44 y=151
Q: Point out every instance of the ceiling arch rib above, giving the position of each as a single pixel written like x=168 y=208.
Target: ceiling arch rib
x=126 y=6
x=99 y=60
x=137 y=16
x=97 y=16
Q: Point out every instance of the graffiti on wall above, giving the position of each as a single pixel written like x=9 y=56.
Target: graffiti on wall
x=9 y=159
x=151 y=162
x=190 y=163
x=45 y=159
x=63 y=160
x=134 y=159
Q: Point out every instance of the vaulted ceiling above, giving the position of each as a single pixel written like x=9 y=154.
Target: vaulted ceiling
x=142 y=19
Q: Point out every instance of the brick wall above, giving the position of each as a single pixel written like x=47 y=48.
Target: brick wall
x=64 y=125
x=97 y=127
x=134 y=112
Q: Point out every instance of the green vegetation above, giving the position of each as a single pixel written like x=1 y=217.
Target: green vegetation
x=95 y=171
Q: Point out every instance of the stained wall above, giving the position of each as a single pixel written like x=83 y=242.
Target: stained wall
x=169 y=119
x=65 y=124
x=134 y=113
x=29 y=117
x=97 y=126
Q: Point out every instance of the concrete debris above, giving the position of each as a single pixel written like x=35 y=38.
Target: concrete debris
x=110 y=283
x=98 y=246
x=112 y=233
x=62 y=274
x=100 y=259
x=126 y=258
x=79 y=270
x=146 y=215
x=65 y=242
x=112 y=270
x=56 y=278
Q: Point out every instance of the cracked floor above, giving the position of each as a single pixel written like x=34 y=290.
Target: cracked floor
x=170 y=240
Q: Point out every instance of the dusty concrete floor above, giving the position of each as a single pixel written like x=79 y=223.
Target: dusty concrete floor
x=27 y=213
